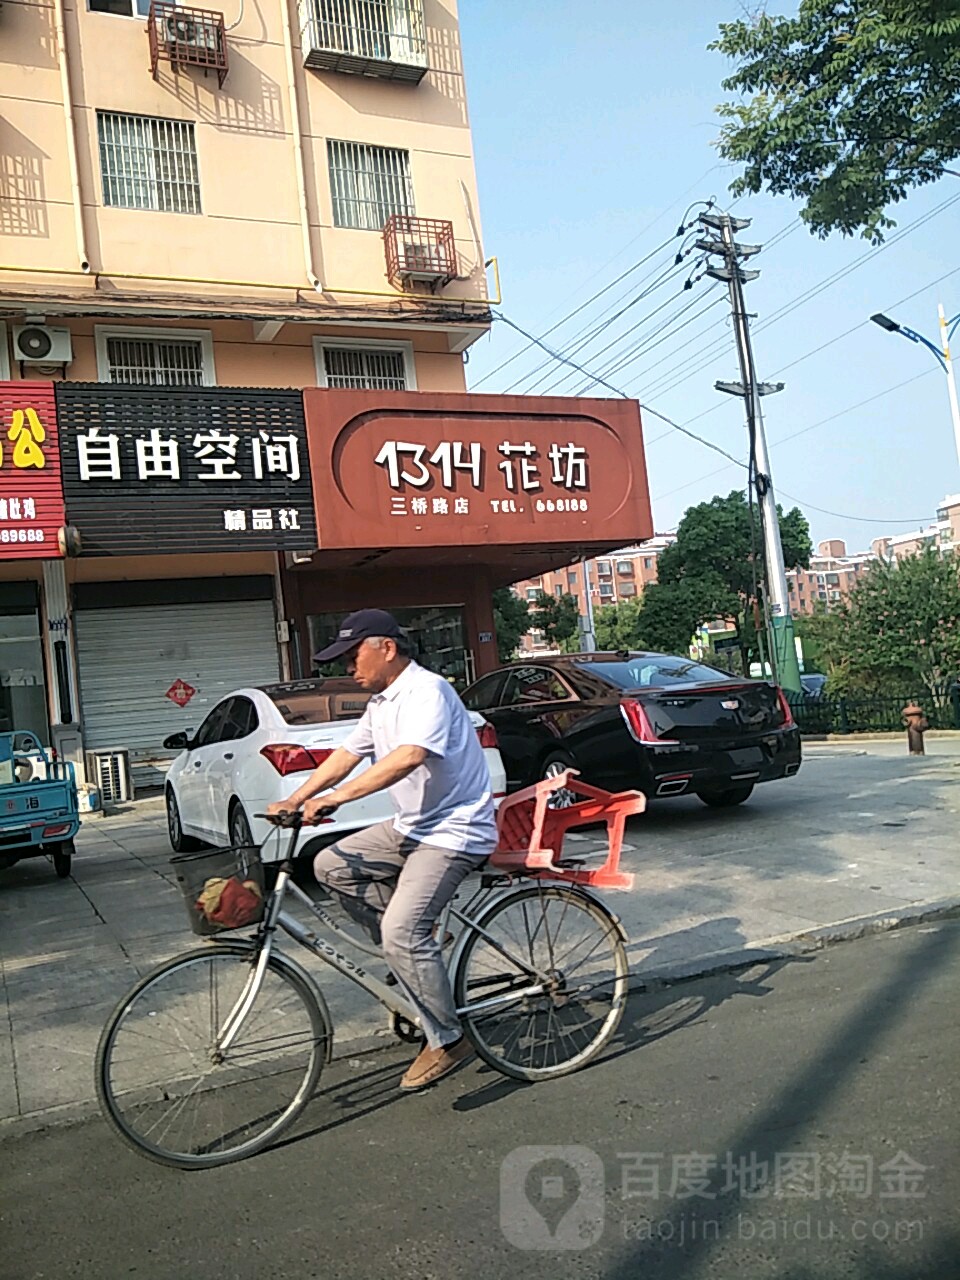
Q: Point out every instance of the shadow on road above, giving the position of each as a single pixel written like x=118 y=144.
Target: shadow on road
x=807 y=1094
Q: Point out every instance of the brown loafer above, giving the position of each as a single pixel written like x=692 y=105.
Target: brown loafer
x=432 y=1064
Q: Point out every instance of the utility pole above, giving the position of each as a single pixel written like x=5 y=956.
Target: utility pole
x=781 y=642
x=588 y=639
x=951 y=381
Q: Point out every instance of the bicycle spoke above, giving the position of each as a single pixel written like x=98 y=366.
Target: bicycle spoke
x=185 y=1101
x=572 y=943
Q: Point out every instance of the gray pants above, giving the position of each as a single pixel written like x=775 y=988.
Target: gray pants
x=396 y=888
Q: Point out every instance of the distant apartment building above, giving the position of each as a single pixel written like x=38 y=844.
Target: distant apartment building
x=832 y=575
x=833 y=572
x=622 y=575
x=943 y=533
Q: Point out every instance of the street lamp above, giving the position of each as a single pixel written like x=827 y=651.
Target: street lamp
x=942 y=353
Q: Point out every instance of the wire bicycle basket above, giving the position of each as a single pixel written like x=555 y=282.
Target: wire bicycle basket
x=222 y=889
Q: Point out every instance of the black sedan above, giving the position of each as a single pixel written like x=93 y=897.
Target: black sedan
x=663 y=725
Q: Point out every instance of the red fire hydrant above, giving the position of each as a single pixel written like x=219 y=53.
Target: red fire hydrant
x=917 y=725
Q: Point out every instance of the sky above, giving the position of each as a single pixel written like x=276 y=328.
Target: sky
x=593 y=127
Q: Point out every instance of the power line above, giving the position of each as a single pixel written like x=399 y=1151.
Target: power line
x=572 y=345
x=583 y=306
x=803 y=430
x=664 y=385
x=646 y=344
x=840 y=515
x=722 y=404
x=610 y=387
x=616 y=341
x=630 y=243
x=638 y=350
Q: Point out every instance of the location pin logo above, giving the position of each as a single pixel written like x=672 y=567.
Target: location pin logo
x=552 y=1198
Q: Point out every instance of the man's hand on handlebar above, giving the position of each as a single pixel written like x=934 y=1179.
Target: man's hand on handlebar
x=280 y=808
x=309 y=813
x=316 y=810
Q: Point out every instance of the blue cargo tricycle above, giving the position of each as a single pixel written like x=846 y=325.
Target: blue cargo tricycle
x=39 y=812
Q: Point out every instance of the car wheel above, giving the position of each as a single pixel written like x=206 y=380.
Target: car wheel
x=727 y=797
x=179 y=843
x=240 y=833
x=552 y=767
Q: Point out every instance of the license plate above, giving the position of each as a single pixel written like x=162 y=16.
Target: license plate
x=746 y=758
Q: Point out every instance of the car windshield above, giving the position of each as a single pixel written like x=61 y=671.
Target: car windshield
x=653 y=671
x=318 y=701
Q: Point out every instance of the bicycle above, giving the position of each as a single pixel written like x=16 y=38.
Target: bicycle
x=539 y=975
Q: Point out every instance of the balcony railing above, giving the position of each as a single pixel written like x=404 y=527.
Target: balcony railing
x=420 y=251
x=365 y=37
x=187 y=38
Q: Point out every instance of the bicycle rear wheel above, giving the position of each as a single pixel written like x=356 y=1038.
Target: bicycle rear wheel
x=575 y=947
x=171 y=1095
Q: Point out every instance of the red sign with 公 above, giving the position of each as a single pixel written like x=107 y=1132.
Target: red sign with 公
x=31 y=493
x=180 y=692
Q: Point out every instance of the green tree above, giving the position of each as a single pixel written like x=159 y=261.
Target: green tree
x=848 y=106
x=671 y=612
x=900 y=628
x=558 y=617
x=511 y=620
x=710 y=572
x=821 y=634
x=617 y=625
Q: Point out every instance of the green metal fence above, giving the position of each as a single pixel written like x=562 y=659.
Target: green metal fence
x=828 y=714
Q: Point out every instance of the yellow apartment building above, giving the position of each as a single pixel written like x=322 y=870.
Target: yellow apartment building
x=196 y=196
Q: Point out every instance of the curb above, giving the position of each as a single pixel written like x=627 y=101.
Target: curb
x=795 y=944
x=659 y=978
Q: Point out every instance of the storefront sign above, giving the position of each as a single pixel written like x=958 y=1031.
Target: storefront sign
x=150 y=470
x=31 y=496
x=431 y=469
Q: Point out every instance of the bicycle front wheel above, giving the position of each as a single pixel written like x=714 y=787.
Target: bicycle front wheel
x=543 y=988
x=173 y=1095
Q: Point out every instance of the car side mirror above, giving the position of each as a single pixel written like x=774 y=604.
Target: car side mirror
x=176 y=742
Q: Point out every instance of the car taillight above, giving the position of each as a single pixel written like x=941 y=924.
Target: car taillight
x=487 y=735
x=638 y=722
x=292 y=758
x=788 y=720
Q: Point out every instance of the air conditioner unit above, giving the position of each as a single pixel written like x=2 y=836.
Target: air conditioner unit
x=109 y=772
x=40 y=344
x=423 y=262
x=185 y=31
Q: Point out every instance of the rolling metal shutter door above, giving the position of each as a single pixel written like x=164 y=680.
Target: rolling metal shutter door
x=129 y=658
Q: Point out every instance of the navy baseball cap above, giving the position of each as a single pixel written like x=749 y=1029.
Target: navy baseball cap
x=357 y=627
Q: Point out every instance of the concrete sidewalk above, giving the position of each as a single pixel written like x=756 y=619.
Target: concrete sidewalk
x=864 y=838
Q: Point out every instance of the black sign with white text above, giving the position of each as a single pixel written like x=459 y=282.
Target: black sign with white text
x=154 y=470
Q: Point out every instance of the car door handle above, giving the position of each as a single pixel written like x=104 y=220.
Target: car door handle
x=228 y=755
x=197 y=764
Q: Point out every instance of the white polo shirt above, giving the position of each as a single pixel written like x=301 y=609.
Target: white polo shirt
x=448 y=800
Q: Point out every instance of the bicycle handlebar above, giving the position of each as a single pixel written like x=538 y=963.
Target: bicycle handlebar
x=292 y=820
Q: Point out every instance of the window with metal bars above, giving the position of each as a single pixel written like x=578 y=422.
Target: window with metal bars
x=368 y=184
x=156 y=362
x=148 y=163
x=364 y=369
x=381 y=29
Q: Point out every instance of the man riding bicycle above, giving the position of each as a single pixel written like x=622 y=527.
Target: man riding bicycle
x=396 y=877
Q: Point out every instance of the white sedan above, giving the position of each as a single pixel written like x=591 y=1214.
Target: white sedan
x=257 y=746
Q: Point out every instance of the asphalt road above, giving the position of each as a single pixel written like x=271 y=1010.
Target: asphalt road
x=793 y=1121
